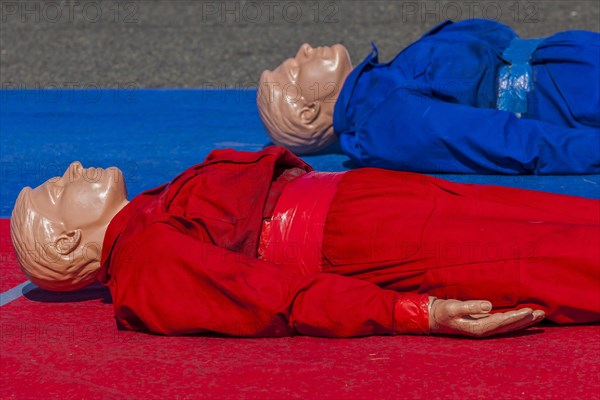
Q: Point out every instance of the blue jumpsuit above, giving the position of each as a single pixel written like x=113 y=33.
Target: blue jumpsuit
x=434 y=107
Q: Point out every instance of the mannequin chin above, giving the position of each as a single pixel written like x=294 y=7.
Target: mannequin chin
x=58 y=228
x=296 y=100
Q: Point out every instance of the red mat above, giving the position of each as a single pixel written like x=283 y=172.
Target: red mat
x=66 y=346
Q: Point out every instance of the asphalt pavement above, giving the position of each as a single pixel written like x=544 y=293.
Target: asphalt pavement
x=213 y=44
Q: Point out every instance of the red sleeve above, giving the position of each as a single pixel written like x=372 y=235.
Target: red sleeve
x=176 y=284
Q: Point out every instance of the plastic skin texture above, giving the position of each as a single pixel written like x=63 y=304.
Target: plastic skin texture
x=178 y=261
x=296 y=100
x=63 y=222
x=435 y=107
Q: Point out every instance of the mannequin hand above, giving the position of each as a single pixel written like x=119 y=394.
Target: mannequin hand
x=471 y=318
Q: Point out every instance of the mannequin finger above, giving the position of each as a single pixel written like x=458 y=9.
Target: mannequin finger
x=473 y=307
x=479 y=316
x=504 y=322
x=482 y=326
x=519 y=324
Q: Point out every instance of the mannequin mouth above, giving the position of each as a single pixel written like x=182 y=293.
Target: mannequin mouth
x=320 y=51
x=323 y=51
x=96 y=174
x=92 y=173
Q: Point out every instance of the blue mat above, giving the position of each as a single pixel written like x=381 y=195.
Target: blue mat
x=153 y=135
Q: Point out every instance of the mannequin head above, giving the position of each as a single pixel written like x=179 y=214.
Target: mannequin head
x=58 y=228
x=296 y=99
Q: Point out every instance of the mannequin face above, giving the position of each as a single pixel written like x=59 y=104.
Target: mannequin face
x=81 y=198
x=58 y=228
x=296 y=100
x=313 y=75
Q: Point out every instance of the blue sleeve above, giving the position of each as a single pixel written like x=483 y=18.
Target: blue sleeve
x=412 y=132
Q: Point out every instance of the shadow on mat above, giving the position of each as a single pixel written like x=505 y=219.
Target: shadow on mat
x=92 y=292
x=534 y=330
x=333 y=148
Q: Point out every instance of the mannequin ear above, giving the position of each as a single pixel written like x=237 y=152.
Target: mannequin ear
x=68 y=242
x=310 y=112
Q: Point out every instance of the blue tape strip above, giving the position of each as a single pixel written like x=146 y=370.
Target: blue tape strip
x=16 y=292
x=515 y=80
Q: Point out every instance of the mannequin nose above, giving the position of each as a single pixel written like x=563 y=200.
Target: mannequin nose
x=77 y=167
x=305 y=49
x=74 y=170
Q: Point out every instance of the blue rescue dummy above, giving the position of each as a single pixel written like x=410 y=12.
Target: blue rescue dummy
x=468 y=97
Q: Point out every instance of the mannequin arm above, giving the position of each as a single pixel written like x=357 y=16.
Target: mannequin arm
x=413 y=132
x=179 y=284
x=472 y=318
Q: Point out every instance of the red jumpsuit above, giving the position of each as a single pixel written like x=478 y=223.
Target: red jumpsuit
x=184 y=257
